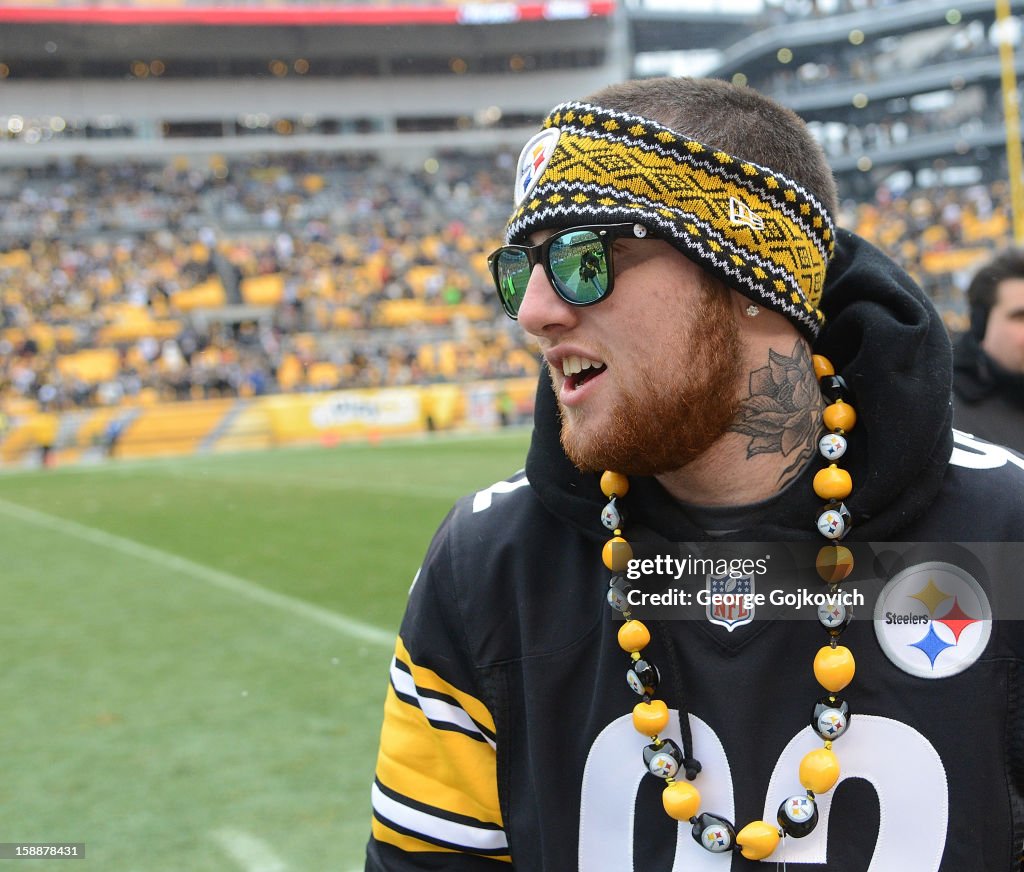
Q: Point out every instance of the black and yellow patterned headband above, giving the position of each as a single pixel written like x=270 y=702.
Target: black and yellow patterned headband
x=755 y=229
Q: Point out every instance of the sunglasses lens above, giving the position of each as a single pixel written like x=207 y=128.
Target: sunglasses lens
x=513 y=275
x=579 y=266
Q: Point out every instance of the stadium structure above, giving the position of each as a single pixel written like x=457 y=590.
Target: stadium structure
x=145 y=81
x=886 y=86
x=205 y=205
x=911 y=88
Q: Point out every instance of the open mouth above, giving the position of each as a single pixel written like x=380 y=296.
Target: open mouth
x=579 y=370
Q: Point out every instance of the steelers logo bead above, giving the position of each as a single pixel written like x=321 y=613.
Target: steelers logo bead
x=713 y=833
x=832 y=446
x=643 y=678
x=798 y=815
x=819 y=770
x=831 y=524
x=757 y=840
x=618 y=593
x=830 y=724
x=681 y=800
x=663 y=760
x=834 y=667
x=830 y=718
x=611 y=517
x=834 y=616
x=614 y=484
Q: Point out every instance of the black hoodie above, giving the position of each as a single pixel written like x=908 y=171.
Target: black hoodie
x=510 y=611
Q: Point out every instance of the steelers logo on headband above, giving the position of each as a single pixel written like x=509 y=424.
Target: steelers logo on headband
x=757 y=230
x=533 y=160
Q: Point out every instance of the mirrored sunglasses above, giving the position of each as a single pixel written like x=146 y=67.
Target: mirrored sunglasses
x=577 y=262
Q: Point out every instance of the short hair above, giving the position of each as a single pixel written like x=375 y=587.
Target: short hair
x=736 y=119
x=1006 y=264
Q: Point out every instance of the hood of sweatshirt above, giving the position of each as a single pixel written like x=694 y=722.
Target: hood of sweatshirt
x=886 y=340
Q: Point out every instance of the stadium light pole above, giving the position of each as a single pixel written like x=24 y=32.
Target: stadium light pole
x=1011 y=115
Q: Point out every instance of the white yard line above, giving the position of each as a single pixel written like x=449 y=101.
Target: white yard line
x=250 y=853
x=215 y=577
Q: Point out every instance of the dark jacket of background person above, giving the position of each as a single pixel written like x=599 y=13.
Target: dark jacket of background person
x=988 y=370
x=988 y=400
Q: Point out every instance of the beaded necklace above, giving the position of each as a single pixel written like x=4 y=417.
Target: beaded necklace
x=833 y=665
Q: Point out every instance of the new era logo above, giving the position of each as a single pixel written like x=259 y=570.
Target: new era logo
x=742 y=214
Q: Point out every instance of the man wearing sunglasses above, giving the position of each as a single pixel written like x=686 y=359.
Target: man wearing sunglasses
x=737 y=370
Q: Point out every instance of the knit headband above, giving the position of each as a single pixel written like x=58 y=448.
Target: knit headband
x=755 y=229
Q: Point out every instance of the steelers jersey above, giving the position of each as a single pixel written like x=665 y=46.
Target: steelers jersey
x=508 y=738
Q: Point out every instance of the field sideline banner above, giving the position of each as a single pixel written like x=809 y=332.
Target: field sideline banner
x=344 y=414
x=229 y=424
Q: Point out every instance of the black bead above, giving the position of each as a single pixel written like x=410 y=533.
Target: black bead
x=618 y=591
x=713 y=833
x=831 y=718
x=835 y=617
x=643 y=677
x=663 y=760
x=834 y=387
x=798 y=815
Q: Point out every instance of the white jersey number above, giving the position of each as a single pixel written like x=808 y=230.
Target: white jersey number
x=898 y=761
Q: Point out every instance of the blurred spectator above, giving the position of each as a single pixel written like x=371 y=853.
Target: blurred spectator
x=988 y=381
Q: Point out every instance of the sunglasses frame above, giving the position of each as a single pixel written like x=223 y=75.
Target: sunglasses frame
x=606 y=234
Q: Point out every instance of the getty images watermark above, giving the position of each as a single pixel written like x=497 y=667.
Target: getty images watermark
x=730 y=585
x=950 y=591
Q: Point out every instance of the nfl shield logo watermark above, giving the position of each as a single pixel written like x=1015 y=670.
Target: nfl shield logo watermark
x=730 y=600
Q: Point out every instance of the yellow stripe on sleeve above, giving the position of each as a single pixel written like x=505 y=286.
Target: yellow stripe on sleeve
x=384 y=833
x=441 y=768
x=430 y=680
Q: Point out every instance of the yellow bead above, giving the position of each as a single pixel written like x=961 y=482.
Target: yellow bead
x=650 y=718
x=616 y=553
x=681 y=800
x=614 y=484
x=833 y=483
x=822 y=366
x=634 y=636
x=834 y=563
x=757 y=840
x=840 y=416
x=819 y=770
x=834 y=667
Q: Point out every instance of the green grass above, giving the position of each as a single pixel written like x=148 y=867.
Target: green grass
x=160 y=706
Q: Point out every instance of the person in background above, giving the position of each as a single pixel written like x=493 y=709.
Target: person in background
x=988 y=360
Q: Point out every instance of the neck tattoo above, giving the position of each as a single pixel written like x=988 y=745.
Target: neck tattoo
x=833 y=664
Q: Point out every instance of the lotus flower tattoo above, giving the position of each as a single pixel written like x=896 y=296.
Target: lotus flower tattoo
x=781 y=413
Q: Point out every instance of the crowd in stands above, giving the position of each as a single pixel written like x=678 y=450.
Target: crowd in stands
x=132 y=282
x=135 y=283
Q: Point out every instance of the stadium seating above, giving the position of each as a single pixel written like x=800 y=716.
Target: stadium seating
x=290 y=275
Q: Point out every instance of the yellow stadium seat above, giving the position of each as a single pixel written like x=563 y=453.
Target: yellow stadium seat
x=19 y=258
x=266 y=290
x=322 y=375
x=206 y=295
x=92 y=365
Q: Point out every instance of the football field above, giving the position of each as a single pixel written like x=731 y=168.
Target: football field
x=195 y=650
